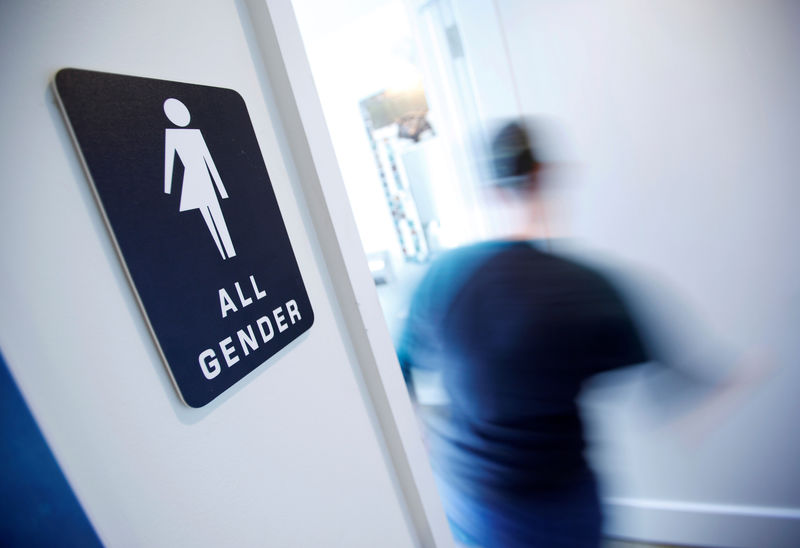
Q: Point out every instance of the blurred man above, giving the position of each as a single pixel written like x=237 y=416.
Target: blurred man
x=514 y=332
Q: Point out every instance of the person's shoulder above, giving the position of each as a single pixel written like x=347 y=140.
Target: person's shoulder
x=536 y=255
x=576 y=267
x=470 y=253
x=589 y=271
x=455 y=268
x=537 y=269
x=513 y=262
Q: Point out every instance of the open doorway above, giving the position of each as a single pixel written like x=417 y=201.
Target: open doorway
x=403 y=163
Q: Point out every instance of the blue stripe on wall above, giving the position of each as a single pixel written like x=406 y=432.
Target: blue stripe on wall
x=37 y=505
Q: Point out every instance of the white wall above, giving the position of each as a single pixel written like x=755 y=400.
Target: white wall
x=355 y=54
x=292 y=456
x=683 y=116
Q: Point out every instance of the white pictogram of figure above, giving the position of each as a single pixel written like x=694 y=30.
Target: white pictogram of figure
x=199 y=174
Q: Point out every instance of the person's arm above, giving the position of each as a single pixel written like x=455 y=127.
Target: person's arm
x=695 y=381
x=417 y=344
x=409 y=343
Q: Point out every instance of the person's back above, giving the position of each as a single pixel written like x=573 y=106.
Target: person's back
x=514 y=332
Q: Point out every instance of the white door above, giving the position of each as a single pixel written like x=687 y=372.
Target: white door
x=318 y=447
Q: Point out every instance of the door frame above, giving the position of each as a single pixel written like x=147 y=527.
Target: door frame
x=309 y=144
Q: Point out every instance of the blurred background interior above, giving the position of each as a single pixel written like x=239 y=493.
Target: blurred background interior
x=672 y=132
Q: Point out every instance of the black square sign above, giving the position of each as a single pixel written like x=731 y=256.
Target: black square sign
x=178 y=173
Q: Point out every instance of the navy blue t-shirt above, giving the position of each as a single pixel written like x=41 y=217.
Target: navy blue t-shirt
x=514 y=332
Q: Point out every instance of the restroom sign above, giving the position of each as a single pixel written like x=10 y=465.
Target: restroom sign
x=178 y=173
